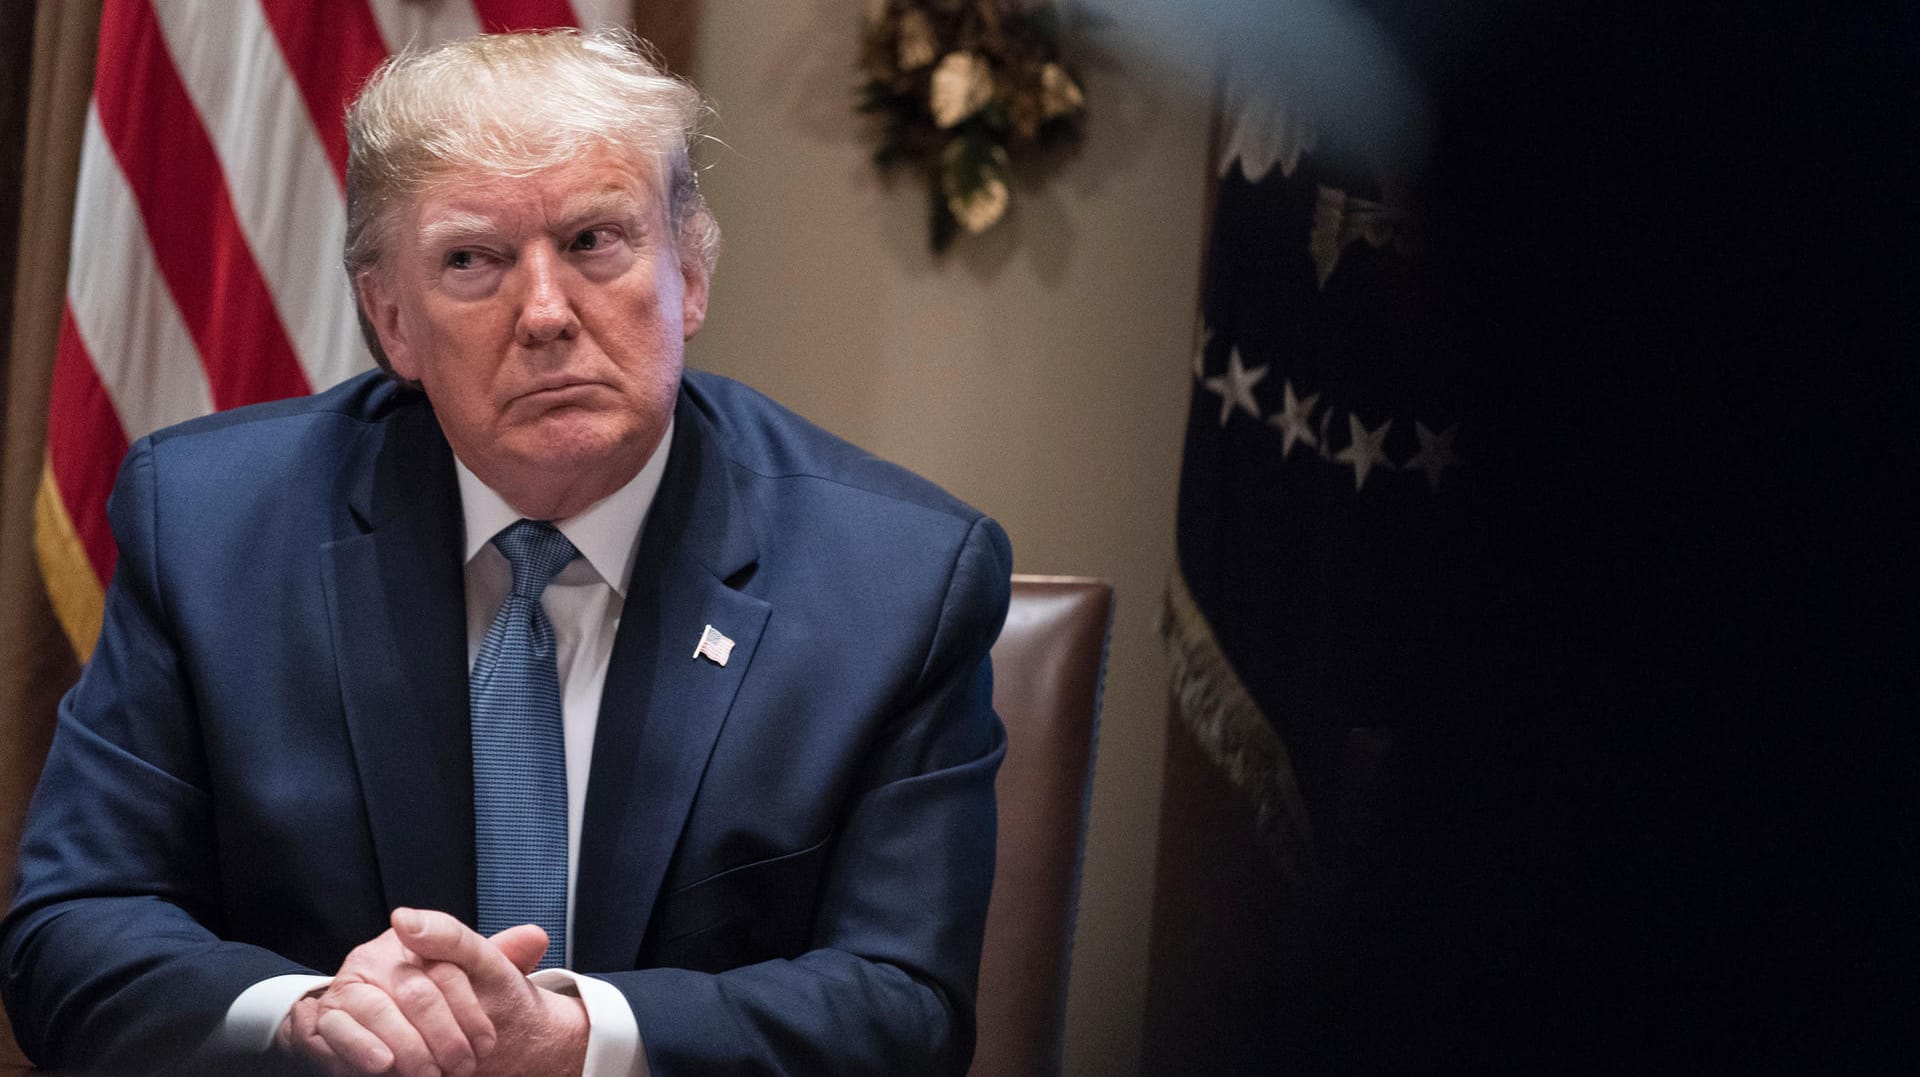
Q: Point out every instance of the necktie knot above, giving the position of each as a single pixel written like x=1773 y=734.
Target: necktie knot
x=536 y=551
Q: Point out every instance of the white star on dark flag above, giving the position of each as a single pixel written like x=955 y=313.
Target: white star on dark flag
x=1236 y=387
x=1365 y=450
x=1294 y=420
x=1436 y=453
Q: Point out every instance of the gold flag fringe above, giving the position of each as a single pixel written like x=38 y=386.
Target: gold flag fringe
x=1228 y=725
x=75 y=592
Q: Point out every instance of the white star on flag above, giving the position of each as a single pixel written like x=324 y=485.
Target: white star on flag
x=714 y=646
x=1365 y=451
x=1436 y=453
x=1295 y=420
x=1236 y=387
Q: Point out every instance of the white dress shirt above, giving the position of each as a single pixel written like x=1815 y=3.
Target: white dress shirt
x=583 y=601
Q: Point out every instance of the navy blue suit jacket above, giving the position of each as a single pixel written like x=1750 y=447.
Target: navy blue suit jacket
x=785 y=861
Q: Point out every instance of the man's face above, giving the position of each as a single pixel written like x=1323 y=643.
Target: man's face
x=546 y=317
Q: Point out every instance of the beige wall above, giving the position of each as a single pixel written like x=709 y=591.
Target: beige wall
x=1040 y=371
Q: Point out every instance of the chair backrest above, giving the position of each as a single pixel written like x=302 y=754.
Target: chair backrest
x=1048 y=667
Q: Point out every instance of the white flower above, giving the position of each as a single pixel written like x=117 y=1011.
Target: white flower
x=981 y=208
x=961 y=85
x=1059 y=96
x=917 y=47
x=975 y=189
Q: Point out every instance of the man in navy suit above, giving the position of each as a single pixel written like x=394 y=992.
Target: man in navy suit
x=255 y=838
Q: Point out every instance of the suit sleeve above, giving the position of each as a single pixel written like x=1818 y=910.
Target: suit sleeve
x=889 y=986
x=110 y=957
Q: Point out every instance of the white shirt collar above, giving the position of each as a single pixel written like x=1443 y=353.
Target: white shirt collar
x=607 y=533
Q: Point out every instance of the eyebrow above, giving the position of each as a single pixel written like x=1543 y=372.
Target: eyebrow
x=455 y=228
x=613 y=203
x=459 y=227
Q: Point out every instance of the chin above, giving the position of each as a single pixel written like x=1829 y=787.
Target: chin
x=569 y=443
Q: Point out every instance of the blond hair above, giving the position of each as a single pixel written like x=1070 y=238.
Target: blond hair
x=512 y=105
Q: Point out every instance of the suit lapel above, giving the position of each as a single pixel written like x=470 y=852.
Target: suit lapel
x=396 y=595
x=663 y=708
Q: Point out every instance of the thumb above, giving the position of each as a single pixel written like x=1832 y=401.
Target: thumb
x=524 y=945
x=436 y=936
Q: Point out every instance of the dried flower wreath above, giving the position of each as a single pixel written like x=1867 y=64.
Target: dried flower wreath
x=963 y=89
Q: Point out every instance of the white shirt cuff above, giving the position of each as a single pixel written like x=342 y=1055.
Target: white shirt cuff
x=613 y=1036
x=255 y=1016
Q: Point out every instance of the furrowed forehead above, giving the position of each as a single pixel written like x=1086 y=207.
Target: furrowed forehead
x=457 y=207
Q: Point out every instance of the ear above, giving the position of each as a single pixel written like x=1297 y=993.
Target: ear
x=382 y=311
x=693 y=298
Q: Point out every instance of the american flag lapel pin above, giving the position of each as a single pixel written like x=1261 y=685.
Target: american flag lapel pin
x=713 y=646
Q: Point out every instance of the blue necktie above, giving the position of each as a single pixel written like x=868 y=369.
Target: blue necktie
x=519 y=753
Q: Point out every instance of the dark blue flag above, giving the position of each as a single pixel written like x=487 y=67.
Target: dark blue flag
x=1325 y=448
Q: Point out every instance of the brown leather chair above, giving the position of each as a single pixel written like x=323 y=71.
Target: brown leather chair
x=1048 y=667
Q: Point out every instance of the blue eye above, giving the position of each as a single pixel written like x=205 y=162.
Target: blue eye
x=588 y=241
x=460 y=260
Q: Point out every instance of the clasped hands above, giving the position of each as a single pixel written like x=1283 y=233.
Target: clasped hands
x=430 y=997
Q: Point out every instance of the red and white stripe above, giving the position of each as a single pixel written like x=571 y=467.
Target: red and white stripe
x=208 y=224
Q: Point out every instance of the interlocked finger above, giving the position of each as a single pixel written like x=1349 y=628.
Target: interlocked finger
x=465 y=1006
x=426 y=1007
x=366 y=1029
x=300 y=1034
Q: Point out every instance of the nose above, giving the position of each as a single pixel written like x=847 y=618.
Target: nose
x=546 y=312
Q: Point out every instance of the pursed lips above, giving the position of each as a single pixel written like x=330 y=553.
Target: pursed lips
x=560 y=394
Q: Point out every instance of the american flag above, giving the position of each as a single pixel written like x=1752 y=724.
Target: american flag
x=715 y=647
x=208 y=222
